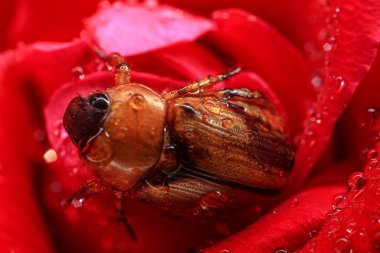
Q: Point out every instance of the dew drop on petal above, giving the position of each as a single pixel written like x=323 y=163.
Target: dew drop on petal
x=372 y=154
x=356 y=180
x=77 y=202
x=316 y=81
x=342 y=245
x=77 y=73
x=295 y=202
x=341 y=202
x=50 y=156
x=213 y=200
x=312 y=233
x=340 y=83
x=280 y=250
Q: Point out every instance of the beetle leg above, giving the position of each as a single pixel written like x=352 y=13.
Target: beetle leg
x=92 y=187
x=119 y=208
x=201 y=84
x=122 y=72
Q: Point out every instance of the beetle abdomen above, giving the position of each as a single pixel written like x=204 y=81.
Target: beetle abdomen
x=234 y=140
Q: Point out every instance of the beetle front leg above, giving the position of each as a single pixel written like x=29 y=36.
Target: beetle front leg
x=119 y=208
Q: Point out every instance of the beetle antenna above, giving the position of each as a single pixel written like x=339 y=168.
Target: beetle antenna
x=199 y=85
x=229 y=74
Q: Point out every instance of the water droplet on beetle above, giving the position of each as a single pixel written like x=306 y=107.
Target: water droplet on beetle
x=225 y=251
x=295 y=202
x=356 y=180
x=213 y=200
x=342 y=245
x=77 y=73
x=50 y=156
x=227 y=123
x=137 y=101
x=211 y=106
x=205 y=118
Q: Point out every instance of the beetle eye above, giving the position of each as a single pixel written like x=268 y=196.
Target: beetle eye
x=99 y=101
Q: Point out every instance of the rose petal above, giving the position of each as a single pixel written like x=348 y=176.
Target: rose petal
x=27 y=77
x=39 y=20
x=298 y=20
x=355 y=224
x=287 y=226
x=134 y=29
x=349 y=59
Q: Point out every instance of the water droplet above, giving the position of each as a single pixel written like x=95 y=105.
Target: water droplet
x=225 y=251
x=316 y=81
x=376 y=240
x=227 y=123
x=372 y=154
x=211 y=106
x=137 y=101
x=342 y=245
x=55 y=187
x=77 y=73
x=280 y=250
x=50 y=156
x=295 y=202
x=350 y=227
x=356 y=180
x=205 y=118
x=275 y=211
x=327 y=46
x=215 y=200
x=341 y=202
x=312 y=233
x=77 y=202
x=340 y=83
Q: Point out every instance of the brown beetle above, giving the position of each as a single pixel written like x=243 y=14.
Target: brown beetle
x=190 y=150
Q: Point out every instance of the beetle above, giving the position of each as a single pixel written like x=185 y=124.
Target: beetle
x=191 y=151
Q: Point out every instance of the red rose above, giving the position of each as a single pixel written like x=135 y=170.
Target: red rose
x=315 y=59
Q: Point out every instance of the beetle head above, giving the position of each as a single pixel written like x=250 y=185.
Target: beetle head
x=84 y=117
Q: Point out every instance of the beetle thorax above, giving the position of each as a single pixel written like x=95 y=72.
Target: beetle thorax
x=133 y=132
